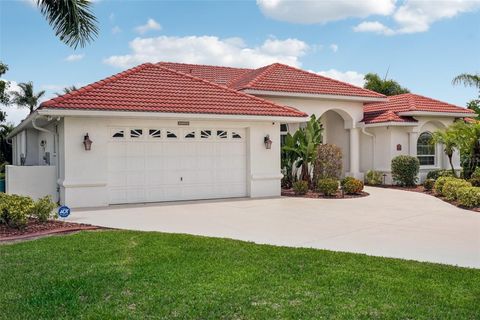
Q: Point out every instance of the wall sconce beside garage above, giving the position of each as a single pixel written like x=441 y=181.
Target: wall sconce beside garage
x=87 y=143
x=268 y=142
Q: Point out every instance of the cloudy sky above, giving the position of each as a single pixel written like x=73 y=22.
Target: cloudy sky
x=423 y=44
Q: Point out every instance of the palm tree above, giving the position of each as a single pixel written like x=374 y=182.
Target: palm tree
x=468 y=80
x=449 y=140
x=66 y=90
x=72 y=20
x=27 y=98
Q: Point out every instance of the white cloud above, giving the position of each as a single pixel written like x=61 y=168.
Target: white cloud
x=211 y=50
x=116 y=30
x=373 y=26
x=74 y=57
x=351 y=77
x=333 y=47
x=150 y=25
x=418 y=15
x=309 y=12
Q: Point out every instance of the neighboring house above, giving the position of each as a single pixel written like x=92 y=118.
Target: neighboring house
x=170 y=131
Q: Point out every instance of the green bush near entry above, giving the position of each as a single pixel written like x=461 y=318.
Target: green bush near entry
x=435 y=174
x=451 y=187
x=15 y=210
x=373 y=177
x=439 y=183
x=469 y=197
x=328 y=186
x=429 y=184
x=353 y=186
x=405 y=170
x=300 y=187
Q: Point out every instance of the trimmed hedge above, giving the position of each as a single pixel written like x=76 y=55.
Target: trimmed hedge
x=15 y=210
x=353 y=186
x=469 y=196
x=300 y=187
x=373 y=177
x=435 y=174
x=328 y=186
x=428 y=184
x=405 y=170
x=438 y=186
x=451 y=187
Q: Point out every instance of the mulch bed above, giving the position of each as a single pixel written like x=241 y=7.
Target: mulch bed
x=34 y=229
x=318 y=195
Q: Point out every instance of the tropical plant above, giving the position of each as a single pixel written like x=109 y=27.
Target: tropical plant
x=300 y=187
x=72 y=20
x=5 y=147
x=306 y=141
x=384 y=86
x=289 y=157
x=27 y=97
x=328 y=163
x=66 y=90
x=449 y=140
x=435 y=174
x=373 y=177
x=4 y=97
x=467 y=137
x=405 y=170
x=470 y=80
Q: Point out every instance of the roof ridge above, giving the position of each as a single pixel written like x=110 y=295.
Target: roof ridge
x=325 y=77
x=230 y=89
x=201 y=65
x=261 y=75
x=95 y=84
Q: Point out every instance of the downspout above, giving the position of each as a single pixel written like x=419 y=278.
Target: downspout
x=364 y=131
x=56 y=149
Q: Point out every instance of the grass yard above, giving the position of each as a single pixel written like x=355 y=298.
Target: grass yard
x=138 y=275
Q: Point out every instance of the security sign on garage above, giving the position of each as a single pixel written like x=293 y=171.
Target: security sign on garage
x=167 y=164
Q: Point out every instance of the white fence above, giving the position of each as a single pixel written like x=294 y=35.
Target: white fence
x=33 y=181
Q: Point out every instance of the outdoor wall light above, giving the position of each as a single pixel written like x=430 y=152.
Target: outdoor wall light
x=268 y=142
x=87 y=142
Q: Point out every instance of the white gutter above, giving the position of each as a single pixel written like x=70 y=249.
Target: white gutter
x=22 y=125
x=438 y=114
x=165 y=115
x=364 y=131
x=390 y=124
x=313 y=96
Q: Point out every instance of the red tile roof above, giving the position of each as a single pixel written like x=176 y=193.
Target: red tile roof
x=388 y=111
x=274 y=77
x=155 y=88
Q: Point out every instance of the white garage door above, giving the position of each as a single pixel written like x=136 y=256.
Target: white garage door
x=162 y=164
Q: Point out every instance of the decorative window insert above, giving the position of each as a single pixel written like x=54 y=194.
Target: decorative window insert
x=236 y=135
x=426 y=149
x=190 y=135
x=155 y=133
x=171 y=135
x=136 y=133
x=118 y=134
x=222 y=134
x=205 y=134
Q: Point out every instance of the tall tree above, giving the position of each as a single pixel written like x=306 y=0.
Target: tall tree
x=449 y=140
x=470 y=80
x=27 y=97
x=72 y=20
x=66 y=90
x=4 y=96
x=387 y=87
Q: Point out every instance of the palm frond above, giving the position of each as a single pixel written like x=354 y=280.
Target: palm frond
x=72 y=20
x=468 y=80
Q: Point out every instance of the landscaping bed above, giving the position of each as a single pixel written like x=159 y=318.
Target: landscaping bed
x=318 y=195
x=34 y=229
x=140 y=275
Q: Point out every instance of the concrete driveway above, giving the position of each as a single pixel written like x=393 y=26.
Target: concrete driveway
x=389 y=223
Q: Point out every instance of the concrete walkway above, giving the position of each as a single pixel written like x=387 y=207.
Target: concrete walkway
x=390 y=223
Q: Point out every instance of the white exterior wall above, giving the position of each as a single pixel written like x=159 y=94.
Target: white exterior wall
x=83 y=180
x=33 y=181
x=388 y=137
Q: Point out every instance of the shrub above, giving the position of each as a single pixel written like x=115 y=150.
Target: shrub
x=300 y=187
x=475 y=178
x=405 y=170
x=345 y=180
x=428 y=184
x=353 y=186
x=328 y=163
x=328 y=186
x=43 y=209
x=373 y=177
x=451 y=187
x=469 y=196
x=15 y=210
x=435 y=174
x=439 y=183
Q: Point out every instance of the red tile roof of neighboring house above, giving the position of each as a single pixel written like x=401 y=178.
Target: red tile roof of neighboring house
x=155 y=88
x=274 y=77
x=388 y=111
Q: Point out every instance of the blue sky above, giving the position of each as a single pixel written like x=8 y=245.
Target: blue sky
x=424 y=44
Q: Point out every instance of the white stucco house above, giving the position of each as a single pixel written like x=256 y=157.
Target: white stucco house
x=171 y=131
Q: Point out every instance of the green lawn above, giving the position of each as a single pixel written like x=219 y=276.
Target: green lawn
x=135 y=275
